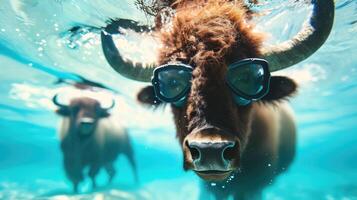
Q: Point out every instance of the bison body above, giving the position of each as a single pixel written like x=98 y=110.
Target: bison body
x=89 y=137
x=223 y=131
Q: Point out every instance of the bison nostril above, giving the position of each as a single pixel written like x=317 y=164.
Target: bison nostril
x=230 y=152
x=195 y=153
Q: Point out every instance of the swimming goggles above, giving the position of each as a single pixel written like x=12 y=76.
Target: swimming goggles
x=248 y=79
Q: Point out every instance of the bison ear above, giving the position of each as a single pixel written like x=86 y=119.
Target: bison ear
x=104 y=113
x=280 y=88
x=147 y=96
x=63 y=111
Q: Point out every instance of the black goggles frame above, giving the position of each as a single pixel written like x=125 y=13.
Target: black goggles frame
x=188 y=68
x=156 y=83
x=266 y=78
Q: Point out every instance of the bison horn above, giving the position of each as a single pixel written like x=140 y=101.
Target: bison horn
x=111 y=106
x=55 y=101
x=136 y=71
x=307 y=41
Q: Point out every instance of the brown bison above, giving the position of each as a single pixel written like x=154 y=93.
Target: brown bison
x=89 y=138
x=214 y=70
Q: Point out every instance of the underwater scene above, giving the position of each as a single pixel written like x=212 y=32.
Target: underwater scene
x=51 y=51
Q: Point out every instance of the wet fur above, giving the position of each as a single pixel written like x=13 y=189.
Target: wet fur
x=209 y=35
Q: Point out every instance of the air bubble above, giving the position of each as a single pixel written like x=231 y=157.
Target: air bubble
x=72 y=45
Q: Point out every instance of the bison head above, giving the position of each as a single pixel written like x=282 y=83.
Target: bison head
x=205 y=39
x=83 y=113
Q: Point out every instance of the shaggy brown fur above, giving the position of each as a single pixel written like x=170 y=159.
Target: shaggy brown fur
x=160 y=9
x=216 y=31
x=209 y=35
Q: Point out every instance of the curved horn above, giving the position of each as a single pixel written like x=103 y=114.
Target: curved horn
x=307 y=41
x=129 y=69
x=111 y=106
x=55 y=101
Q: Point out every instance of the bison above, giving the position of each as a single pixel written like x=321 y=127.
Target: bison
x=231 y=117
x=90 y=138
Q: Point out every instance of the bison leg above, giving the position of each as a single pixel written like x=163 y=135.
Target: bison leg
x=75 y=187
x=93 y=171
x=111 y=171
x=73 y=172
x=132 y=162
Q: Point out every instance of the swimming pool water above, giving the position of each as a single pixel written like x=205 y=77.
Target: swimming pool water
x=36 y=50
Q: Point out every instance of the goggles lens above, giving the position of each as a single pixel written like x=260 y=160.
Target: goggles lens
x=250 y=79
x=172 y=82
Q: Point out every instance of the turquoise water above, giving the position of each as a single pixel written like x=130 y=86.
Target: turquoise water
x=36 y=50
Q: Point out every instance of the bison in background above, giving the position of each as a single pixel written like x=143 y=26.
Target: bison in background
x=214 y=70
x=90 y=138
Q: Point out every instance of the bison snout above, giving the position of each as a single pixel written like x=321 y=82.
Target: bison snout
x=212 y=155
x=86 y=125
x=212 y=159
